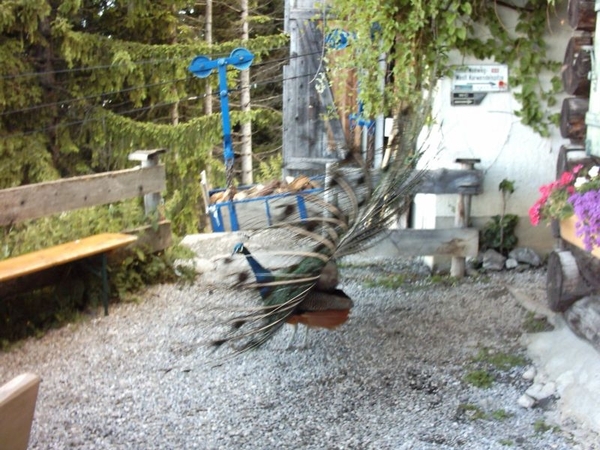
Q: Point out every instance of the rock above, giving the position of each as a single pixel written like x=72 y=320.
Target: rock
x=565 y=380
x=511 y=263
x=540 y=391
x=526 y=255
x=492 y=260
x=526 y=401
x=529 y=374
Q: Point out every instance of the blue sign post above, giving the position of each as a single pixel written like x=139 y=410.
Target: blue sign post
x=202 y=67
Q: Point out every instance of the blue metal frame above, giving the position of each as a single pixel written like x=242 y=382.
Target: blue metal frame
x=201 y=66
x=216 y=216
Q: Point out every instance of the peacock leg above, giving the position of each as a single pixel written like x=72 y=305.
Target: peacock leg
x=305 y=342
x=291 y=341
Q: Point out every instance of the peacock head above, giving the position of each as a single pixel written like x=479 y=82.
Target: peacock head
x=239 y=248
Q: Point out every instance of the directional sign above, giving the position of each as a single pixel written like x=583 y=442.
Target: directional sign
x=467 y=98
x=481 y=78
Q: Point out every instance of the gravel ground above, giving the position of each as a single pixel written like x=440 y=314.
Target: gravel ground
x=392 y=377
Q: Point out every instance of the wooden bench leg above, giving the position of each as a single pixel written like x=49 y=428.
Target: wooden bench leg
x=105 y=287
x=103 y=275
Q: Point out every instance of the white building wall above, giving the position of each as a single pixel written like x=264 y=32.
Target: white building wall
x=507 y=149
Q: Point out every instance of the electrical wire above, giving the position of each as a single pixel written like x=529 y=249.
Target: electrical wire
x=144 y=62
x=134 y=88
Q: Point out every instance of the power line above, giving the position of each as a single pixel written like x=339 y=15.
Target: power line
x=134 y=88
x=84 y=69
x=89 y=97
x=146 y=108
x=143 y=62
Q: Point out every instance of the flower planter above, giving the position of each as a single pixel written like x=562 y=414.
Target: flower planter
x=567 y=232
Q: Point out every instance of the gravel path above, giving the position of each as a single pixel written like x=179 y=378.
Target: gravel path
x=390 y=378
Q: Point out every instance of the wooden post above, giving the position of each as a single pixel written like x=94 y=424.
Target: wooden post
x=462 y=217
x=149 y=158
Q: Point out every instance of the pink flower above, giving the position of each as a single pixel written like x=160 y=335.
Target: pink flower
x=534 y=214
x=566 y=178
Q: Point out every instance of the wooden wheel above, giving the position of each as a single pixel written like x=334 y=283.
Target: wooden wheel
x=577 y=65
x=582 y=15
x=572 y=118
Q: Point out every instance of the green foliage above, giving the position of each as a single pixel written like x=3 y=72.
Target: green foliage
x=501 y=415
x=85 y=83
x=534 y=324
x=499 y=360
x=392 y=281
x=411 y=281
x=472 y=412
x=499 y=233
x=417 y=38
x=270 y=169
x=479 y=378
x=541 y=427
x=68 y=226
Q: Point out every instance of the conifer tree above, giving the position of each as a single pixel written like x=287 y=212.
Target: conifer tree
x=85 y=82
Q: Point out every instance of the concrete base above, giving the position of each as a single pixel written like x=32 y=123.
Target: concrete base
x=537 y=238
x=574 y=365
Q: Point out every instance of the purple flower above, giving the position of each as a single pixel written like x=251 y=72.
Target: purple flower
x=586 y=207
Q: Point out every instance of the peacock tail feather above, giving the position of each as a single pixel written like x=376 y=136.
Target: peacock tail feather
x=294 y=270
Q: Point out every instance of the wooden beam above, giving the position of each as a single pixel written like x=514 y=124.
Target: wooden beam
x=452 y=242
x=44 y=199
x=440 y=181
x=445 y=181
x=152 y=238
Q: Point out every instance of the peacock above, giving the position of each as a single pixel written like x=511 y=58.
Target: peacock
x=324 y=306
x=296 y=282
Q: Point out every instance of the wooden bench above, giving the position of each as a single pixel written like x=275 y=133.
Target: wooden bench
x=17 y=405
x=44 y=199
x=98 y=245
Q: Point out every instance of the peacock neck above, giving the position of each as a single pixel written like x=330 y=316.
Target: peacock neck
x=261 y=274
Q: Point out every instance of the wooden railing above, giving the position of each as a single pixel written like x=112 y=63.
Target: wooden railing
x=48 y=198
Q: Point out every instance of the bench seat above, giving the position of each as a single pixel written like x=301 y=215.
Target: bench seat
x=57 y=255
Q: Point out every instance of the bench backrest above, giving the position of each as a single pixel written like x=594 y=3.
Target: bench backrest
x=44 y=199
x=17 y=405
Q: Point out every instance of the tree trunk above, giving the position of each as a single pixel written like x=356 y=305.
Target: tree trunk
x=564 y=284
x=582 y=15
x=577 y=65
x=208 y=38
x=246 y=149
x=572 y=118
x=584 y=319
